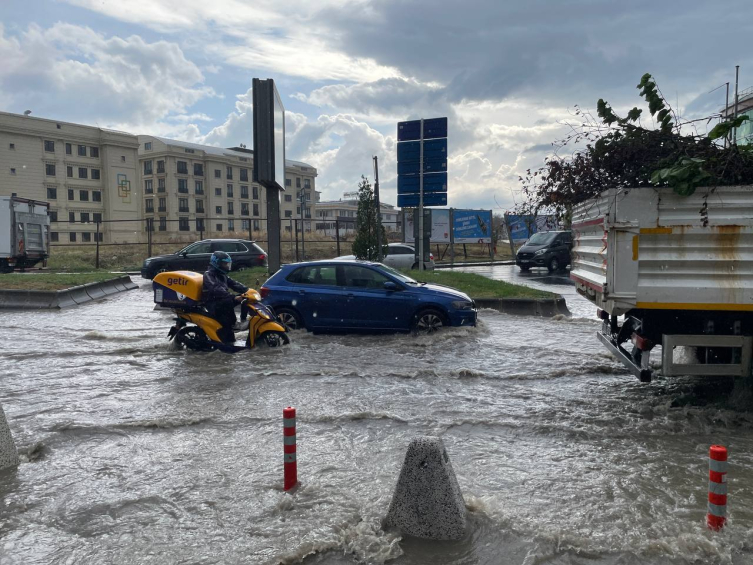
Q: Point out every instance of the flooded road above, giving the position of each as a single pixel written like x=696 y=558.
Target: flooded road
x=137 y=453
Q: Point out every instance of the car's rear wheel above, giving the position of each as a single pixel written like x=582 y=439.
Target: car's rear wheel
x=290 y=318
x=427 y=322
x=415 y=266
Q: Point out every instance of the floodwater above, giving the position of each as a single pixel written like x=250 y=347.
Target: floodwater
x=137 y=453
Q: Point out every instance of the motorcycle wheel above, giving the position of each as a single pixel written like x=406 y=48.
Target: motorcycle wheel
x=275 y=339
x=193 y=337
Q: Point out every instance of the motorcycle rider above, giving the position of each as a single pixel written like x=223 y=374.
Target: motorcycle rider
x=218 y=299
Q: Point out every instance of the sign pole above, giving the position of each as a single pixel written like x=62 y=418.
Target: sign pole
x=378 y=210
x=421 y=201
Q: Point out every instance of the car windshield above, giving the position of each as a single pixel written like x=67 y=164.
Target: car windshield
x=397 y=274
x=542 y=238
x=185 y=249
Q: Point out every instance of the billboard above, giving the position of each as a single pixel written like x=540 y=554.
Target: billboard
x=472 y=226
x=523 y=227
x=268 y=135
x=440 y=226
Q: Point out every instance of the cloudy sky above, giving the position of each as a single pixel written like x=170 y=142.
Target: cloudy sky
x=506 y=73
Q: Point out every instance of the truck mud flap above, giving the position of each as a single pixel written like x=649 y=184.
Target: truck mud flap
x=644 y=375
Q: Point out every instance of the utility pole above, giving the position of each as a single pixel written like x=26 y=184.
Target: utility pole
x=303 y=226
x=421 y=202
x=378 y=210
x=737 y=76
x=726 y=115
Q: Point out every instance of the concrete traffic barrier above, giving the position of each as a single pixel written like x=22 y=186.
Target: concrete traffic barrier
x=63 y=300
x=8 y=452
x=94 y=290
x=427 y=502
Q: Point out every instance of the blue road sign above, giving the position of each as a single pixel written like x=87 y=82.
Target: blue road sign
x=412 y=167
x=434 y=182
x=411 y=150
x=434 y=128
x=430 y=199
x=408 y=131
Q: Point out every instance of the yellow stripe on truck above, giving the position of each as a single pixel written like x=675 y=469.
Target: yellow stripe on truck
x=655 y=231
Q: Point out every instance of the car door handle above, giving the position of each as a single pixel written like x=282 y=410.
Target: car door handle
x=301 y=292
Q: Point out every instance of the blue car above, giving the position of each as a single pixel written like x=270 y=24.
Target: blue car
x=334 y=296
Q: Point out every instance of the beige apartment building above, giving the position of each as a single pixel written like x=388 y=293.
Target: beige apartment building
x=209 y=191
x=87 y=174
x=345 y=210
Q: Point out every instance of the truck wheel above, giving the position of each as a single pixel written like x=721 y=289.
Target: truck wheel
x=5 y=268
x=554 y=265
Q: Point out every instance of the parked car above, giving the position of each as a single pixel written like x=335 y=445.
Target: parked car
x=340 y=295
x=195 y=257
x=550 y=249
x=399 y=256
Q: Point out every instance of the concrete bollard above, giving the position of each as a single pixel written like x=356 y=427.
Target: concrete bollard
x=427 y=502
x=8 y=453
x=290 y=466
x=717 y=513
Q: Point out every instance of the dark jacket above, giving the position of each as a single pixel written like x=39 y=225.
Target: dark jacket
x=215 y=288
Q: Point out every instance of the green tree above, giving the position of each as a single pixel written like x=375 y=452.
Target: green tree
x=365 y=242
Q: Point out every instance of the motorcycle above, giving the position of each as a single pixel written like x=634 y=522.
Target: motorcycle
x=195 y=329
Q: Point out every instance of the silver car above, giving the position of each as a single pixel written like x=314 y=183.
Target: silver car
x=399 y=256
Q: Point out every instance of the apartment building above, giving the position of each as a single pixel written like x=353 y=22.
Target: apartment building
x=87 y=174
x=342 y=213
x=209 y=191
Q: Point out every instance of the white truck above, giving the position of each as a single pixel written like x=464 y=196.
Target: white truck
x=671 y=271
x=24 y=232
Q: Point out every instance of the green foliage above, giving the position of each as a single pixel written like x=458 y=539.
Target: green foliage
x=656 y=104
x=684 y=176
x=365 y=243
x=723 y=129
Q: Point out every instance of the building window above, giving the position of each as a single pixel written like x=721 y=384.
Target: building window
x=86 y=236
x=218 y=227
x=245 y=224
x=189 y=150
x=288 y=213
x=53 y=215
x=306 y=183
x=218 y=210
x=147 y=167
x=229 y=170
x=298 y=211
x=95 y=174
x=182 y=168
x=160 y=167
x=68 y=149
x=256 y=209
x=12 y=146
x=244 y=208
x=49 y=170
x=288 y=198
x=297 y=182
x=230 y=191
x=288 y=182
x=12 y=171
x=183 y=186
x=54 y=237
x=148 y=187
x=182 y=204
x=230 y=210
x=162 y=205
x=122 y=158
x=84 y=217
x=183 y=224
x=244 y=175
x=231 y=225
x=244 y=191
x=162 y=223
x=82 y=150
x=199 y=187
x=149 y=206
x=93 y=151
x=83 y=173
x=83 y=195
x=96 y=196
x=71 y=217
x=69 y=172
x=199 y=224
x=72 y=237
x=160 y=185
x=218 y=173
x=49 y=146
x=256 y=225
x=255 y=190
x=198 y=170
x=97 y=217
x=148 y=145
x=199 y=206
x=218 y=192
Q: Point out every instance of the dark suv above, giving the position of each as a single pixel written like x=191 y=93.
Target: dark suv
x=195 y=257
x=550 y=249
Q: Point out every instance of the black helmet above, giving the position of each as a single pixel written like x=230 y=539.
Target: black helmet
x=221 y=261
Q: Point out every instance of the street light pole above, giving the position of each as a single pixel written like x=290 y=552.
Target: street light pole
x=378 y=210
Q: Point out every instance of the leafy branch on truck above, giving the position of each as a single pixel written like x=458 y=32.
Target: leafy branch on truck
x=622 y=152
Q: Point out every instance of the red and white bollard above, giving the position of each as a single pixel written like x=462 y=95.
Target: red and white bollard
x=717 y=514
x=288 y=438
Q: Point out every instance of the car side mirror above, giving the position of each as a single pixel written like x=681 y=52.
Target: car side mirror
x=391 y=286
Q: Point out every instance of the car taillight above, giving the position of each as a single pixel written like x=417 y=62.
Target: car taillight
x=262 y=256
x=431 y=256
x=264 y=291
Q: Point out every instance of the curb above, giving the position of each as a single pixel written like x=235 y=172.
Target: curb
x=479 y=264
x=546 y=307
x=56 y=299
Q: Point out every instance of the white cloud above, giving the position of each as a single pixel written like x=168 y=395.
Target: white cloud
x=75 y=73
